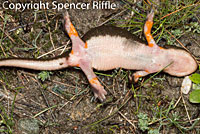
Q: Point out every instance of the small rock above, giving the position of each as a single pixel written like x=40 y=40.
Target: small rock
x=28 y=126
x=186 y=85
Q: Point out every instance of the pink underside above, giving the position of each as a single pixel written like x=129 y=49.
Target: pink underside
x=109 y=52
x=119 y=53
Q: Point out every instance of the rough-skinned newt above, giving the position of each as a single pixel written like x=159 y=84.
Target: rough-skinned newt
x=108 y=47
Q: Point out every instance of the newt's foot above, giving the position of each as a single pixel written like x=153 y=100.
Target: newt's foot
x=98 y=89
x=150 y=15
x=100 y=94
x=139 y=74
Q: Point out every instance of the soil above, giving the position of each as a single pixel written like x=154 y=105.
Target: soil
x=66 y=97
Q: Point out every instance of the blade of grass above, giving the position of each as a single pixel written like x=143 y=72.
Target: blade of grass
x=179 y=10
x=54 y=106
x=101 y=120
x=4 y=24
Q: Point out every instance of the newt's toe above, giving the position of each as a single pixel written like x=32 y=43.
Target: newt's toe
x=100 y=94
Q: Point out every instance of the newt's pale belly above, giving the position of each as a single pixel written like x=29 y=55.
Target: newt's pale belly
x=108 y=52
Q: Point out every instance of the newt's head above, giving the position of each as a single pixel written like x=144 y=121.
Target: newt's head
x=182 y=62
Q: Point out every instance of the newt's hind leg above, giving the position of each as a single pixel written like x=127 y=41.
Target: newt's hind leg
x=77 y=43
x=98 y=89
x=79 y=57
x=147 y=30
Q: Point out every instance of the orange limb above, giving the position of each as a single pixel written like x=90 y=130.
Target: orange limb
x=98 y=89
x=147 y=30
x=139 y=74
x=86 y=46
x=136 y=77
x=95 y=81
x=80 y=59
x=69 y=26
x=77 y=42
x=147 y=71
x=72 y=52
x=72 y=31
x=147 y=33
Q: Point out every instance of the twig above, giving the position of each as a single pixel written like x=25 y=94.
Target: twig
x=109 y=115
x=177 y=102
x=49 y=31
x=52 y=51
x=8 y=35
x=186 y=108
x=25 y=25
x=47 y=103
x=127 y=120
x=112 y=17
x=179 y=10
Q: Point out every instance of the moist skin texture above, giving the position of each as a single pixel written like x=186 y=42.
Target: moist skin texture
x=106 y=48
x=117 y=48
x=111 y=47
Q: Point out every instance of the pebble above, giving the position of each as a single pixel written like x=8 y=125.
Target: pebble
x=186 y=85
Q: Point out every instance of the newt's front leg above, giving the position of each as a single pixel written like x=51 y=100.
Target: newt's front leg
x=139 y=74
x=151 y=43
x=147 y=30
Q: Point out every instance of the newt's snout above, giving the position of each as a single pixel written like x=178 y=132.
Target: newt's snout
x=182 y=63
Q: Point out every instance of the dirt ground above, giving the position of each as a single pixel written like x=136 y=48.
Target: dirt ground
x=64 y=103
